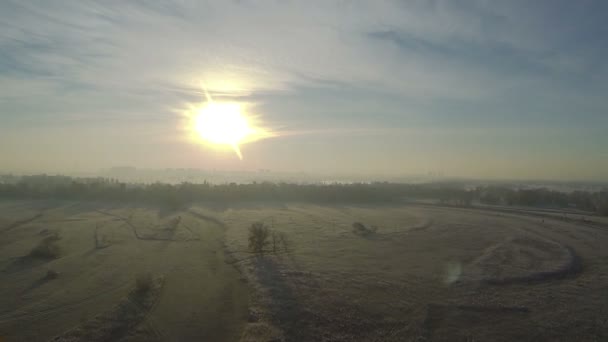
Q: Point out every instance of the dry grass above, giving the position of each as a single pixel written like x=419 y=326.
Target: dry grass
x=104 y=291
x=428 y=273
x=334 y=285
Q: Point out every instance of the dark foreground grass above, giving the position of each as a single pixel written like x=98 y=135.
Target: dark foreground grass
x=120 y=322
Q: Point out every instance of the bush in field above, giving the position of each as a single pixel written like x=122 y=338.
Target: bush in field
x=51 y=274
x=174 y=223
x=143 y=283
x=258 y=237
x=360 y=229
x=47 y=248
x=100 y=242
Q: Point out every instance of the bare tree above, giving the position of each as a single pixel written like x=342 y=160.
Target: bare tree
x=258 y=237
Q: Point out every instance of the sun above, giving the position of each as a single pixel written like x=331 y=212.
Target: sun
x=224 y=124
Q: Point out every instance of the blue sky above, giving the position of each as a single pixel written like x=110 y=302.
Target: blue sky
x=487 y=89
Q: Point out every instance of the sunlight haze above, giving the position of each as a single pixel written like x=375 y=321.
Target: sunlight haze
x=465 y=89
x=297 y=171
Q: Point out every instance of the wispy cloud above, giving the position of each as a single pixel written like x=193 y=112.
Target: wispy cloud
x=307 y=64
x=445 y=50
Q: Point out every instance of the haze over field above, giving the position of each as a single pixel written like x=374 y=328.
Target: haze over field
x=295 y=171
x=471 y=88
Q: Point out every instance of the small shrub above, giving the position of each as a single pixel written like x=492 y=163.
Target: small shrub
x=258 y=237
x=174 y=223
x=100 y=242
x=143 y=283
x=47 y=248
x=279 y=241
x=360 y=229
x=51 y=274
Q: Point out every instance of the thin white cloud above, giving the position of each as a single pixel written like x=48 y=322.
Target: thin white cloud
x=384 y=62
x=252 y=47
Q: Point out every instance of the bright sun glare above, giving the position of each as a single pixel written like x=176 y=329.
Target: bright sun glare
x=224 y=124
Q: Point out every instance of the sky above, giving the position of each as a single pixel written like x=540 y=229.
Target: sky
x=477 y=89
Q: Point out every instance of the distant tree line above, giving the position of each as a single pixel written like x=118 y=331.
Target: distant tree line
x=178 y=195
x=541 y=197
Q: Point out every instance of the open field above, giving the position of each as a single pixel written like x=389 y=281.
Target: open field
x=94 y=272
x=428 y=274
x=104 y=253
